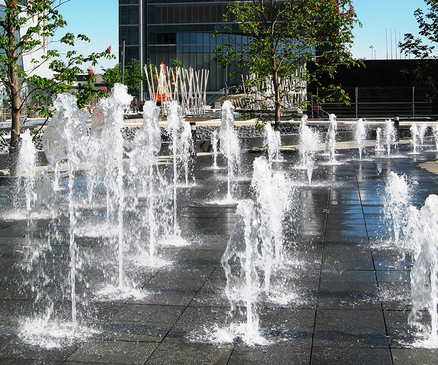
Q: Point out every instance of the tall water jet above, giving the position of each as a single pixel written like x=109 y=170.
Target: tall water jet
x=63 y=140
x=26 y=170
x=272 y=201
x=424 y=274
x=422 y=129
x=107 y=123
x=186 y=151
x=243 y=285
x=415 y=232
x=379 y=146
x=255 y=249
x=308 y=144
x=415 y=136
x=214 y=141
x=272 y=140
x=330 y=139
x=390 y=137
x=396 y=204
x=360 y=135
x=175 y=126
x=147 y=145
x=435 y=135
x=229 y=142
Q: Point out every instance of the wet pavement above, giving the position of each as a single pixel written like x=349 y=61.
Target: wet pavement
x=342 y=298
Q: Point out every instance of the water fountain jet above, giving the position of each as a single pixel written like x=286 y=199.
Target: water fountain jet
x=229 y=143
x=360 y=134
x=330 y=139
x=308 y=144
x=214 y=141
x=396 y=201
x=424 y=275
x=272 y=140
x=415 y=136
x=379 y=146
x=389 y=135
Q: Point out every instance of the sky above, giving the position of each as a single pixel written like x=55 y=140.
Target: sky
x=383 y=21
x=98 y=20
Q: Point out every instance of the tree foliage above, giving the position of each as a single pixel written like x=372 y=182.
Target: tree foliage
x=423 y=47
x=27 y=28
x=281 y=38
x=134 y=75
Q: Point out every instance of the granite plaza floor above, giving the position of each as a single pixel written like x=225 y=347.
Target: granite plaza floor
x=351 y=287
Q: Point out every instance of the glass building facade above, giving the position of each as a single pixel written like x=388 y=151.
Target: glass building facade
x=165 y=30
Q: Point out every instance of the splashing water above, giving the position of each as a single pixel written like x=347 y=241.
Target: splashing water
x=330 y=139
x=389 y=136
x=379 y=146
x=49 y=334
x=272 y=140
x=243 y=286
x=143 y=162
x=415 y=233
x=186 y=148
x=272 y=201
x=63 y=139
x=308 y=144
x=26 y=169
x=422 y=129
x=360 y=134
x=229 y=143
x=113 y=109
x=214 y=141
x=435 y=135
x=175 y=126
x=396 y=202
x=255 y=248
x=415 y=136
x=424 y=274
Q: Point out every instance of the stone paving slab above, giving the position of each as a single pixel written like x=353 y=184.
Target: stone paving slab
x=343 y=297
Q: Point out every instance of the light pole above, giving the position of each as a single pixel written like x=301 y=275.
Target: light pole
x=372 y=51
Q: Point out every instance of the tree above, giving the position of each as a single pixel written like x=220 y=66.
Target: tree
x=112 y=75
x=134 y=74
x=26 y=28
x=423 y=47
x=281 y=38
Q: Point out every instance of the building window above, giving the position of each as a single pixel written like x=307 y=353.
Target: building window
x=130 y=35
x=128 y=15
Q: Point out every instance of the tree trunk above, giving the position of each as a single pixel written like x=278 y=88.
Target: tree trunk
x=15 y=108
x=277 y=101
x=14 y=89
x=15 y=122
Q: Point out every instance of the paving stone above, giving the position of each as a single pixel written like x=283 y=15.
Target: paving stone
x=283 y=352
x=170 y=353
x=348 y=356
x=114 y=352
x=414 y=356
x=350 y=328
x=342 y=295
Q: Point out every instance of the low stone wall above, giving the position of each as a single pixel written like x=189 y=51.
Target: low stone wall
x=250 y=136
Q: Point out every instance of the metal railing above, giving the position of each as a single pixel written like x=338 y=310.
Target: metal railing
x=406 y=102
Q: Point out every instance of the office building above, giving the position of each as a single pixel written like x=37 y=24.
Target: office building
x=165 y=30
